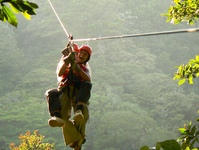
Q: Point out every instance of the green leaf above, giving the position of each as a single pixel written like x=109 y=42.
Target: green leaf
x=182 y=81
x=177 y=76
x=14 y=7
x=182 y=130
x=26 y=15
x=192 y=61
x=1 y=15
x=144 y=148
x=187 y=148
x=176 y=1
x=193 y=130
x=9 y=15
x=170 y=145
x=197 y=74
x=193 y=6
x=197 y=133
x=190 y=123
x=191 y=22
x=26 y=7
x=158 y=146
x=33 y=5
x=197 y=57
x=184 y=145
x=190 y=79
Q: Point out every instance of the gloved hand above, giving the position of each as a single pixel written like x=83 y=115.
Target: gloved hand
x=68 y=48
x=65 y=51
x=76 y=67
x=70 y=58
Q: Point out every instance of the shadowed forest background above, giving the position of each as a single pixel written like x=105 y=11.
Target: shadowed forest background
x=134 y=101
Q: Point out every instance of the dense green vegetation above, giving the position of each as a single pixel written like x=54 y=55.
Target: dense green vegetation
x=134 y=101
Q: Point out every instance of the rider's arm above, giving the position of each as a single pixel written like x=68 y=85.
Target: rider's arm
x=61 y=68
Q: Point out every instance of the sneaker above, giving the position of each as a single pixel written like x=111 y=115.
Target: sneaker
x=78 y=116
x=56 y=122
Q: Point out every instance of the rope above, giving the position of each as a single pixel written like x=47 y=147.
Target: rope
x=121 y=36
x=58 y=18
x=139 y=35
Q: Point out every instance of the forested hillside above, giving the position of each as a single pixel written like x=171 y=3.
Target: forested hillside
x=134 y=101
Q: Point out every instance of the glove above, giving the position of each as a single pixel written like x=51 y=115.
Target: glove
x=70 y=58
x=65 y=51
x=76 y=67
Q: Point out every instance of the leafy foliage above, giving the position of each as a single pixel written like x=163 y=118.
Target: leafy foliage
x=183 y=10
x=189 y=136
x=188 y=140
x=188 y=72
x=32 y=142
x=8 y=14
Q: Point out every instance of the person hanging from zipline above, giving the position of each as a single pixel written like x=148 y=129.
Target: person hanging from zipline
x=74 y=91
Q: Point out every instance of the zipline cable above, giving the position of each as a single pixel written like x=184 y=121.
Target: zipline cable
x=121 y=36
x=58 y=18
x=139 y=35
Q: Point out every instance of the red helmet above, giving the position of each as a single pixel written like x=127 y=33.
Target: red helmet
x=86 y=48
x=76 y=47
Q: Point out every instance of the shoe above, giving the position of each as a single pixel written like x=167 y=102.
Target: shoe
x=78 y=116
x=56 y=122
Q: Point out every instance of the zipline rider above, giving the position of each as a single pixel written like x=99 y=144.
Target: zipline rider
x=73 y=92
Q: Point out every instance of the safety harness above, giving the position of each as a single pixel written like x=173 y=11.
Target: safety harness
x=71 y=80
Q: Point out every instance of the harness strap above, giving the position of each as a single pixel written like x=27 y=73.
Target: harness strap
x=71 y=80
